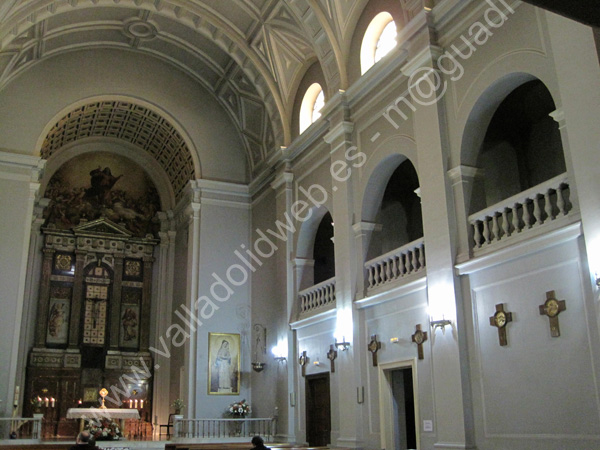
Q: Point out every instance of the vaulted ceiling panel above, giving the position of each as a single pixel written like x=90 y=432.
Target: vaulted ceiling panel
x=82 y=37
x=248 y=53
x=78 y=16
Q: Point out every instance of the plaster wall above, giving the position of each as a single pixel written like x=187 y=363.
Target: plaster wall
x=34 y=101
x=538 y=392
x=18 y=186
x=217 y=259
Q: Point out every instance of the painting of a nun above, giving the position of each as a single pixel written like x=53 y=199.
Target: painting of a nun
x=224 y=364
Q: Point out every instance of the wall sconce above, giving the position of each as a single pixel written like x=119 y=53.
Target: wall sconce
x=343 y=345
x=258 y=366
x=597 y=279
x=279 y=352
x=442 y=323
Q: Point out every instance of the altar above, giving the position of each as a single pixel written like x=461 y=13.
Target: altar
x=84 y=414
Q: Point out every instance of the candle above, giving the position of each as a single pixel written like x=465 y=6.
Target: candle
x=142 y=404
x=79 y=402
x=53 y=401
x=131 y=403
x=136 y=403
x=46 y=401
x=16 y=400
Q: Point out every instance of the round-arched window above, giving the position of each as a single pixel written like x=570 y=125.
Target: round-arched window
x=378 y=41
x=312 y=103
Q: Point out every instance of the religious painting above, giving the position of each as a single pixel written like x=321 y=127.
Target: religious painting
x=129 y=335
x=58 y=321
x=102 y=184
x=223 y=364
x=90 y=394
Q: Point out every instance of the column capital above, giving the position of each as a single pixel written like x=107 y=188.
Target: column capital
x=286 y=178
x=463 y=174
x=361 y=227
x=559 y=117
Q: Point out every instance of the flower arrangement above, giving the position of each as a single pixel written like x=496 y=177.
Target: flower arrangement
x=37 y=403
x=239 y=409
x=104 y=430
x=177 y=405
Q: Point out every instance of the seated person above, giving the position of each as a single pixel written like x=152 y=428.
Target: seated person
x=85 y=441
x=258 y=443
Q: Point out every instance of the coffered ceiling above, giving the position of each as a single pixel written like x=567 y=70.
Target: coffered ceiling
x=250 y=54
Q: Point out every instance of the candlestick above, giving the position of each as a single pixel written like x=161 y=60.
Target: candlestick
x=46 y=401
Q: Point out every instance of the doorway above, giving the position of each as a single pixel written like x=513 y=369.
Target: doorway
x=398 y=407
x=318 y=410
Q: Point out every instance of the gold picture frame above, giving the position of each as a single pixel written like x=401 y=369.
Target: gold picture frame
x=224 y=364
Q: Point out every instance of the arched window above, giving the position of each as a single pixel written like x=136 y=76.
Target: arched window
x=378 y=41
x=310 y=110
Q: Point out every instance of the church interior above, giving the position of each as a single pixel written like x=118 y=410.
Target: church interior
x=368 y=224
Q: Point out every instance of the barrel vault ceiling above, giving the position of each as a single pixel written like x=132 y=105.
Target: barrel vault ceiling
x=250 y=54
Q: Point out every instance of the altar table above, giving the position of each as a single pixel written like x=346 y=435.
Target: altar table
x=109 y=413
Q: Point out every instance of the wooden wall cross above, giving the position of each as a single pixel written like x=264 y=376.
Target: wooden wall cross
x=418 y=338
x=499 y=320
x=331 y=355
x=302 y=360
x=374 y=347
x=552 y=308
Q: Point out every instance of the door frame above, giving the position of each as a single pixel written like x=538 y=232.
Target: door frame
x=386 y=406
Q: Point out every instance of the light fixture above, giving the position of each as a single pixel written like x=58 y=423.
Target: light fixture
x=258 y=366
x=343 y=345
x=280 y=351
x=441 y=323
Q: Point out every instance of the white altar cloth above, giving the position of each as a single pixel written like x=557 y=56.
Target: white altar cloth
x=109 y=413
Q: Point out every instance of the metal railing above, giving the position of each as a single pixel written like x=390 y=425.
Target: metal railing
x=21 y=427
x=224 y=428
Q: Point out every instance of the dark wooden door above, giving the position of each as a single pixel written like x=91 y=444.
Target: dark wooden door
x=318 y=410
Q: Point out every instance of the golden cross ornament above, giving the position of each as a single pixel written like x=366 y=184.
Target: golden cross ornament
x=418 y=338
x=499 y=320
x=552 y=308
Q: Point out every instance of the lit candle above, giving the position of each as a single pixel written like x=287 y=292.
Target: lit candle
x=79 y=402
x=136 y=403
x=16 y=399
x=53 y=401
x=142 y=404
x=46 y=401
x=131 y=403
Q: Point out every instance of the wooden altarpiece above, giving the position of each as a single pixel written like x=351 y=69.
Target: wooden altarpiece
x=92 y=322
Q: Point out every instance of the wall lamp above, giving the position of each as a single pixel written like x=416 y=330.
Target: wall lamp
x=442 y=323
x=258 y=366
x=343 y=345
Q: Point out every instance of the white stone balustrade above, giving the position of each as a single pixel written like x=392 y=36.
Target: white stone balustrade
x=527 y=210
x=398 y=263
x=317 y=296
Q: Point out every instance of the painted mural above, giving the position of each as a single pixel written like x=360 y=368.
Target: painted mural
x=101 y=184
